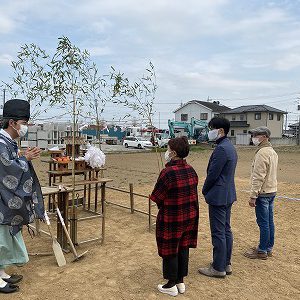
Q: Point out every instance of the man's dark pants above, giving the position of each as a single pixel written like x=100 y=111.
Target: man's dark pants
x=222 y=238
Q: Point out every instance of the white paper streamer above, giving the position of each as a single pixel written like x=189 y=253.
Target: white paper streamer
x=94 y=157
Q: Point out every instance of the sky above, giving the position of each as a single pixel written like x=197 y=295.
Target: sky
x=238 y=52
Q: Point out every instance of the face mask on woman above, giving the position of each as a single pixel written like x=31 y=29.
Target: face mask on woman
x=168 y=156
x=213 y=134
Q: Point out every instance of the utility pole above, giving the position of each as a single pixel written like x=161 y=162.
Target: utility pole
x=285 y=127
x=3 y=97
x=298 y=132
x=159 y=120
x=298 y=136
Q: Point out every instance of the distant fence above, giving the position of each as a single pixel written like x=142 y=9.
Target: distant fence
x=285 y=141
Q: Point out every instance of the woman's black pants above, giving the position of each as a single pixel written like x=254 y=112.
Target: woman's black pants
x=176 y=267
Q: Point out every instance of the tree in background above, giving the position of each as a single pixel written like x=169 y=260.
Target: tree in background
x=139 y=96
x=31 y=78
x=96 y=96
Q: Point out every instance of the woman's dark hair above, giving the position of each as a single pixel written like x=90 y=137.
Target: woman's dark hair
x=219 y=122
x=180 y=145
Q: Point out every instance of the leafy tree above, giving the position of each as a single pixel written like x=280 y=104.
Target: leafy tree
x=31 y=78
x=139 y=96
x=96 y=97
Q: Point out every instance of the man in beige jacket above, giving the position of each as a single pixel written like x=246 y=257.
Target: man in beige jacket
x=263 y=191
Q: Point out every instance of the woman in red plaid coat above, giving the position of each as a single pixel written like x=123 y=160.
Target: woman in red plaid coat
x=176 y=196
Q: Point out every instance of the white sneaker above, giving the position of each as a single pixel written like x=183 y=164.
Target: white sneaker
x=169 y=291
x=181 y=287
x=228 y=270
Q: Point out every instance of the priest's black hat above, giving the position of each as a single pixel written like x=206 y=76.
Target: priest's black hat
x=16 y=109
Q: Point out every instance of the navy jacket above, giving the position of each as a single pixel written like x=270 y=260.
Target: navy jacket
x=219 y=187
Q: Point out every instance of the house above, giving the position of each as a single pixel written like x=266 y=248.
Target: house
x=244 y=118
x=47 y=135
x=294 y=129
x=200 y=110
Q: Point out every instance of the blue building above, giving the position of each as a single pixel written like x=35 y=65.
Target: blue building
x=114 y=131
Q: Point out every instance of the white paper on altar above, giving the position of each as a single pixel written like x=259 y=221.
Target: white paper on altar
x=94 y=157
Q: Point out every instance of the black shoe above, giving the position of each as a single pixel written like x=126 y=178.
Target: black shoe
x=14 y=278
x=9 y=288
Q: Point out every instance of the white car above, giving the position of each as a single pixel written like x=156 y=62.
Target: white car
x=137 y=142
x=163 y=143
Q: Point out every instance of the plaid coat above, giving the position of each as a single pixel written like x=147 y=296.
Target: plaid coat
x=176 y=196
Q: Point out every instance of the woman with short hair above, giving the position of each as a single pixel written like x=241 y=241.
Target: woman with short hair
x=176 y=196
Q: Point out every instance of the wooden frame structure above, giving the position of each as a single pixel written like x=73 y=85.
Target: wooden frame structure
x=60 y=192
x=131 y=203
x=102 y=182
x=62 y=200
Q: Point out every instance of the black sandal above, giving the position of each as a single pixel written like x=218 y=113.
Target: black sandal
x=9 y=288
x=14 y=278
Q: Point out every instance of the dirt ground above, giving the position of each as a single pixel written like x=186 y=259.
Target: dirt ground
x=127 y=265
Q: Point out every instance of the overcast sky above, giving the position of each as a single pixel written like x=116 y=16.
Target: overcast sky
x=237 y=51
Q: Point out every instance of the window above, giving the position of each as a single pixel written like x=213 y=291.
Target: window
x=242 y=117
x=233 y=118
x=204 y=116
x=245 y=131
x=232 y=132
x=257 y=116
x=184 y=117
x=278 y=117
x=271 y=116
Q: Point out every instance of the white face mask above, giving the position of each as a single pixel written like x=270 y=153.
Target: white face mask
x=255 y=141
x=22 y=131
x=167 y=156
x=213 y=134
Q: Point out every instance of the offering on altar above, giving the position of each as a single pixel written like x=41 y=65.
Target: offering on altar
x=94 y=157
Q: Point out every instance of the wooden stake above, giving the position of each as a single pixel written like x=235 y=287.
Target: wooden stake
x=131 y=197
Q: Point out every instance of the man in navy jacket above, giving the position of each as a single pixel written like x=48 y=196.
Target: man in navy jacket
x=219 y=192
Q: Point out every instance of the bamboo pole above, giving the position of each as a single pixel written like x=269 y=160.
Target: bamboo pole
x=149 y=211
x=159 y=159
x=73 y=212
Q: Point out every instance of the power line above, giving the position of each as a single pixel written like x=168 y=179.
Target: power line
x=258 y=97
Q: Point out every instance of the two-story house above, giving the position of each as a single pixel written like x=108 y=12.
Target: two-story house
x=244 y=118
x=200 y=110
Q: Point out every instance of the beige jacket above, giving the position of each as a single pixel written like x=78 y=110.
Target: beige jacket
x=264 y=171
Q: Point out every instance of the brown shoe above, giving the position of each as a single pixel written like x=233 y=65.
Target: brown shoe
x=254 y=254
x=270 y=253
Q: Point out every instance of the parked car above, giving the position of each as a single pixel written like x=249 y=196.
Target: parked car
x=137 y=142
x=162 y=140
